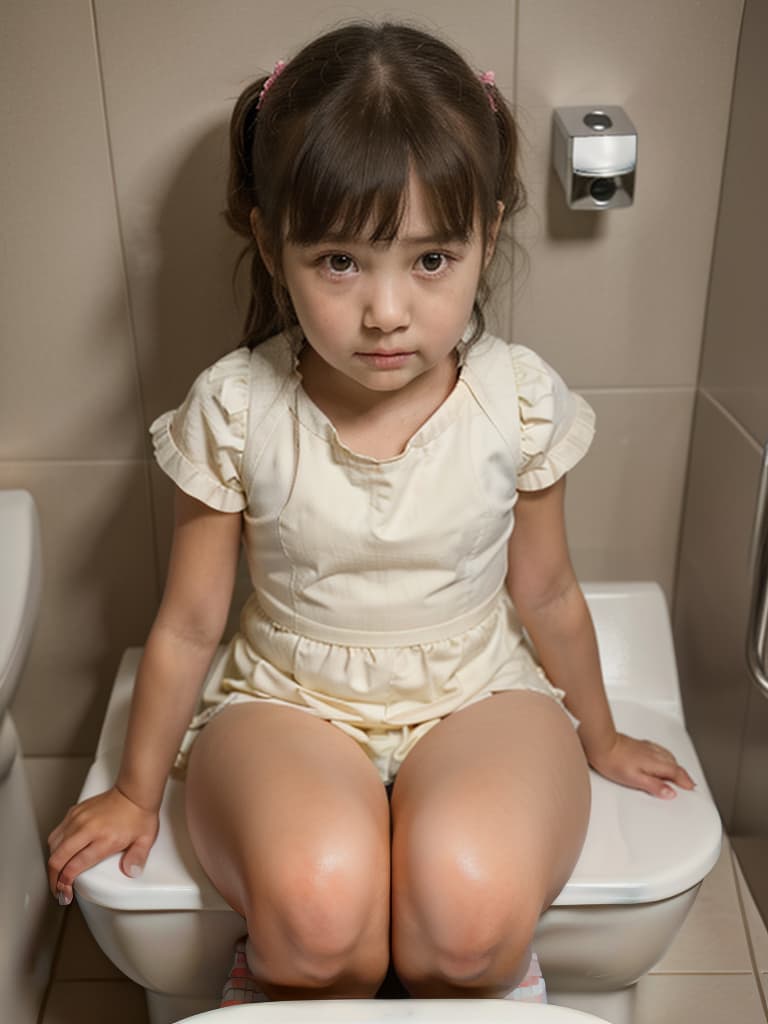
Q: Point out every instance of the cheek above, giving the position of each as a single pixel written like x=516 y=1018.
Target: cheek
x=319 y=314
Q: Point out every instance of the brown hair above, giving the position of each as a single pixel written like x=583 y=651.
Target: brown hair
x=333 y=140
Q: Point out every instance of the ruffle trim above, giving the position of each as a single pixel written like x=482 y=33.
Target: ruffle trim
x=186 y=475
x=213 y=418
x=564 y=455
x=556 y=425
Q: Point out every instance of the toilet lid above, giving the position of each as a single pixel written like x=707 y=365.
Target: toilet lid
x=394 y=1011
x=638 y=848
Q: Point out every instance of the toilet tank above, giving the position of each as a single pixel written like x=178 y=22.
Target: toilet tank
x=21 y=579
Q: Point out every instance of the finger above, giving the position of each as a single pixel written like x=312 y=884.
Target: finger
x=59 y=884
x=671 y=771
x=67 y=850
x=65 y=894
x=682 y=778
x=59 y=857
x=135 y=857
x=85 y=858
x=55 y=840
x=656 y=787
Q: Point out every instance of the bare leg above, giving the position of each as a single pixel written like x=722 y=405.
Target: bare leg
x=290 y=821
x=489 y=812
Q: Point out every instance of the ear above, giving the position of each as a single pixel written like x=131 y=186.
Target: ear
x=493 y=233
x=260 y=234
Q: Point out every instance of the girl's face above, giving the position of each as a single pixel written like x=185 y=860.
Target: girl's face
x=385 y=314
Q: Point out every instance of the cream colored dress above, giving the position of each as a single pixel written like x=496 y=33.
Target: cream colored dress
x=378 y=585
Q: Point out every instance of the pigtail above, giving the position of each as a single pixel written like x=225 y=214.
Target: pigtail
x=509 y=189
x=265 y=315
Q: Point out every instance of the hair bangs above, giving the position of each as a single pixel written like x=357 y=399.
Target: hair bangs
x=352 y=182
x=348 y=182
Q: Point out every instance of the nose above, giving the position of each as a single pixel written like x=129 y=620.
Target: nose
x=387 y=304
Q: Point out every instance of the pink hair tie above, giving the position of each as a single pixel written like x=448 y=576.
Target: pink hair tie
x=488 y=78
x=277 y=71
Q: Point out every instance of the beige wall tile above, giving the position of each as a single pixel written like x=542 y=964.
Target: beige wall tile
x=735 y=361
x=703 y=998
x=168 y=130
x=624 y=501
x=617 y=297
x=712 y=938
x=98 y=596
x=758 y=933
x=750 y=815
x=713 y=593
x=69 y=385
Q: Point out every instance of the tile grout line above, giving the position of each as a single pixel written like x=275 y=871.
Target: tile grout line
x=128 y=297
x=748 y=935
x=52 y=976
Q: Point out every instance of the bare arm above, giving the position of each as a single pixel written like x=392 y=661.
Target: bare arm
x=180 y=646
x=179 y=650
x=551 y=606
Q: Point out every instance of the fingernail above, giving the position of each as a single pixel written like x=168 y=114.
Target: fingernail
x=667 y=793
x=63 y=899
x=135 y=871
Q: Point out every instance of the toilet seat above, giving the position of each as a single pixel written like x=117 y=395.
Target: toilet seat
x=622 y=861
x=642 y=862
x=394 y=1011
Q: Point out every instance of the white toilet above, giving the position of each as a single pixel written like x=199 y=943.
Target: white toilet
x=638 y=874
x=25 y=956
x=395 y=1011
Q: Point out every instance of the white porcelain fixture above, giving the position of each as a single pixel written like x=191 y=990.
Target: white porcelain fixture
x=25 y=955
x=635 y=881
x=396 y=1011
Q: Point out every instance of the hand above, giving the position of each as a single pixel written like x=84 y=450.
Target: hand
x=642 y=765
x=94 y=829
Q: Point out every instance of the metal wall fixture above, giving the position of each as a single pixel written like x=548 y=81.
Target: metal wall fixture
x=757 y=630
x=594 y=151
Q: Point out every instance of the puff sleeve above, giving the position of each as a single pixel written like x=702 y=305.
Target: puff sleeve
x=556 y=425
x=200 y=445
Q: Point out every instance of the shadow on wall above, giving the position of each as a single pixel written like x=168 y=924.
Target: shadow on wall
x=195 y=310
x=187 y=315
x=180 y=259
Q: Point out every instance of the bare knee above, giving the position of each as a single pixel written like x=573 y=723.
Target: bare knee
x=461 y=922
x=320 y=922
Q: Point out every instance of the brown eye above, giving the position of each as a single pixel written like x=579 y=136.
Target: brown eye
x=432 y=262
x=339 y=263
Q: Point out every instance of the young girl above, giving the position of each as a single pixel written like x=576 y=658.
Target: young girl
x=397 y=477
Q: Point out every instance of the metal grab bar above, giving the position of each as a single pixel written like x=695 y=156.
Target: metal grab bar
x=757 y=631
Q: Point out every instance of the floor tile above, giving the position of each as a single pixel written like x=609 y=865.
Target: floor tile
x=712 y=938
x=758 y=932
x=80 y=958
x=55 y=783
x=94 y=1002
x=698 y=998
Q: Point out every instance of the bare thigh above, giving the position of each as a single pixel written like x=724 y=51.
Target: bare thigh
x=290 y=821
x=489 y=813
